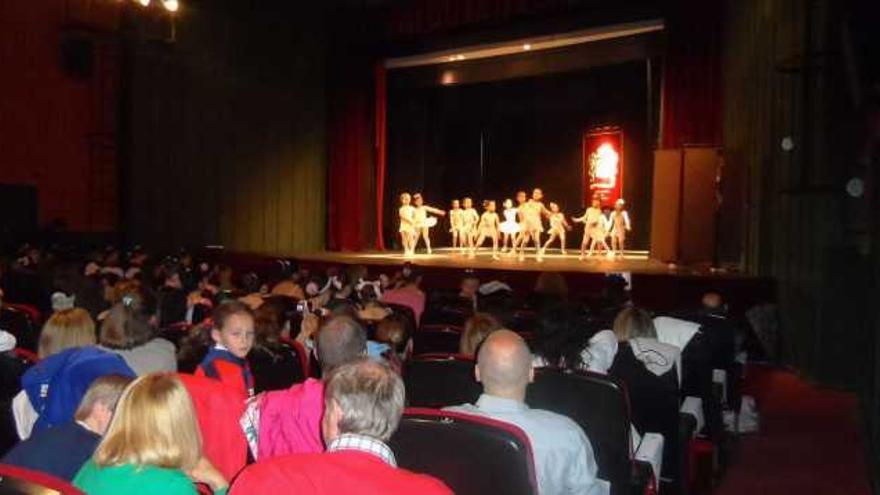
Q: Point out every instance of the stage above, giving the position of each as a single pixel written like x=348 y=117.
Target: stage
x=553 y=260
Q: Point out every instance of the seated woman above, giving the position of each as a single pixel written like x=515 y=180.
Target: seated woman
x=64 y=330
x=130 y=331
x=567 y=339
x=407 y=293
x=635 y=330
x=476 y=329
x=153 y=445
x=274 y=363
x=649 y=370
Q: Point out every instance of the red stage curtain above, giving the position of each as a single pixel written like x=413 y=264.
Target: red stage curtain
x=351 y=162
x=692 y=85
x=381 y=151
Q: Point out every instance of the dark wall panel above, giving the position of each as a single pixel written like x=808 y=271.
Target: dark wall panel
x=229 y=131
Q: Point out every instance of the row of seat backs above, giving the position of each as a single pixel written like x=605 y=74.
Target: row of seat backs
x=598 y=403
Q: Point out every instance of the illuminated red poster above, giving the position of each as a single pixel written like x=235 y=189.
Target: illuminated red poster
x=603 y=165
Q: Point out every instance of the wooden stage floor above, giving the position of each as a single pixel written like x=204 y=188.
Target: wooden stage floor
x=632 y=261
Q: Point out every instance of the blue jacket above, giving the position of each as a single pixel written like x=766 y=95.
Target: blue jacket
x=56 y=384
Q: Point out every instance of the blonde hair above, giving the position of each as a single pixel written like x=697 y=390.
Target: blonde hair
x=66 y=329
x=154 y=425
x=633 y=323
x=476 y=329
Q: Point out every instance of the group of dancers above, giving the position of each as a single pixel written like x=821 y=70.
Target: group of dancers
x=523 y=224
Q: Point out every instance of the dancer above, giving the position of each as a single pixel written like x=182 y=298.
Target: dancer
x=620 y=225
x=407 y=224
x=521 y=199
x=489 y=225
x=558 y=226
x=422 y=222
x=509 y=227
x=469 y=220
x=532 y=213
x=455 y=223
x=595 y=228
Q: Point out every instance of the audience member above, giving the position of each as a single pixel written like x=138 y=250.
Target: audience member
x=564 y=458
x=476 y=329
x=363 y=405
x=129 y=330
x=396 y=332
x=635 y=328
x=273 y=362
x=172 y=299
x=152 y=445
x=470 y=284
x=407 y=293
x=61 y=451
x=65 y=329
x=53 y=388
x=233 y=336
x=290 y=420
x=567 y=339
x=550 y=288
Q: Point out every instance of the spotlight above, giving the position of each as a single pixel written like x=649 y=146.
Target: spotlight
x=144 y=3
x=527 y=47
x=170 y=5
x=459 y=57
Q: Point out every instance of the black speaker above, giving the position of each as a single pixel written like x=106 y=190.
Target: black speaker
x=78 y=56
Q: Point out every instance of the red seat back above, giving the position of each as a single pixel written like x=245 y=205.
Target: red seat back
x=19 y=481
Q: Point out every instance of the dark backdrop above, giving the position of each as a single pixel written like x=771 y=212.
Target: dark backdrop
x=531 y=131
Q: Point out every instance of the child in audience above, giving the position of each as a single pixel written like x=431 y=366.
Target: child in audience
x=488 y=227
x=455 y=212
x=469 y=220
x=558 y=226
x=406 y=214
x=233 y=336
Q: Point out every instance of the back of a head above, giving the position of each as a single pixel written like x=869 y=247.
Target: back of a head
x=551 y=284
x=633 y=323
x=65 y=329
x=476 y=329
x=154 y=425
x=128 y=324
x=395 y=331
x=563 y=331
x=340 y=340
x=267 y=325
x=370 y=396
x=104 y=390
x=505 y=364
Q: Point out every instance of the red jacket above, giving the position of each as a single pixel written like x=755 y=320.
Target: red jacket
x=219 y=409
x=334 y=473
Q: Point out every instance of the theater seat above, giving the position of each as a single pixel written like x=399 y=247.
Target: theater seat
x=19 y=481
x=598 y=404
x=437 y=339
x=473 y=455
x=440 y=380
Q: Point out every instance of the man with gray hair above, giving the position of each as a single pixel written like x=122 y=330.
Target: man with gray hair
x=363 y=403
x=564 y=461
